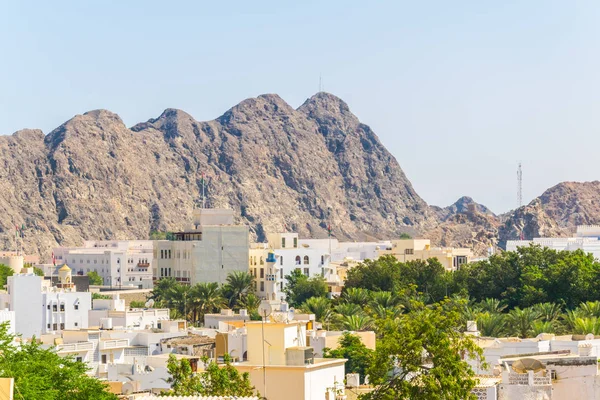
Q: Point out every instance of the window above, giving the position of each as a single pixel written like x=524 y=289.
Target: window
x=322 y=260
x=409 y=251
x=262 y=262
x=295 y=242
x=281 y=286
x=262 y=272
x=62 y=326
x=162 y=255
x=79 y=359
x=283 y=243
x=48 y=306
x=76 y=306
x=169 y=253
x=306 y=260
x=48 y=326
x=262 y=286
x=281 y=273
x=118 y=261
x=281 y=260
x=54 y=307
x=298 y=260
x=55 y=326
x=103 y=358
x=306 y=272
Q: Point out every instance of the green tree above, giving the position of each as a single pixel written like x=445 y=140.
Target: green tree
x=162 y=290
x=41 y=374
x=38 y=271
x=137 y=304
x=354 y=350
x=301 y=288
x=216 y=380
x=520 y=321
x=405 y=236
x=5 y=272
x=320 y=306
x=95 y=279
x=420 y=356
x=382 y=274
x=157 y=235
x=206 y=298
x=239 y=284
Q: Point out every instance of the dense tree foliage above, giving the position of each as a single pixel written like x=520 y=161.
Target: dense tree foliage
x=353 y=349
x=301 y=288
x=95 y=279
x=216 y=380
x=5 y=272
x=41 y=374
x=420 y=355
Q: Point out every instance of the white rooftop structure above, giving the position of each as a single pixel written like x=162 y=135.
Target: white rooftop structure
x=587 y=238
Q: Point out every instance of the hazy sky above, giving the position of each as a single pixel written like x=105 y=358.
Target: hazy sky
x=459 y=92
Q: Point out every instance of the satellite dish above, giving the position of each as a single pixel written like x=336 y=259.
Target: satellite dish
x=149 y=303
x=527 y=364
x=265 y=310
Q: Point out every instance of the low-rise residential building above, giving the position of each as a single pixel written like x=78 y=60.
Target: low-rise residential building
x=212 y=321
x=119 y=262
x=40 y=307
x=209 y=250
x=420 y=249
x=112 y=314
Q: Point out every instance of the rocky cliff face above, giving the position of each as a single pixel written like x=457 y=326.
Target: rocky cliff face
x=278 y=167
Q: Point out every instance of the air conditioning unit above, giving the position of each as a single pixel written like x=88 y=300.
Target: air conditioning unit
x=299 y=356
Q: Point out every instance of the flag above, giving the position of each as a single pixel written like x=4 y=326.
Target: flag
x=22 y=231
x=329 y=229
x=53 y=259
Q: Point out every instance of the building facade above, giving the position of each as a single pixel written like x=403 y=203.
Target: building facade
x=587 y=238
x=420 y=249
x=291 y=255
x=119 y=262
x=207 y=251
x=41 y=308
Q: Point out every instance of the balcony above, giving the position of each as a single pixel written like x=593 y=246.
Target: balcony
x=74 y=347
x=143 y=265
x=112 y=344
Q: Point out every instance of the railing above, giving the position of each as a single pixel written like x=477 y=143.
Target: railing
x=75 y=347
x=143 y=265
x=114 y=344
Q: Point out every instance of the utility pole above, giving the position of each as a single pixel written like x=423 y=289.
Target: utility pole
x=519 y=186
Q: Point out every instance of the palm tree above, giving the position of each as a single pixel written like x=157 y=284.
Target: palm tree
x=357 y=322
x=491 y=324
x=348 y=309
x=206 y=298
x=550 y=312
x=355 y=296
x=590 y=308
x=178 y=299
x=520 y=321
x=239 y=284
x=385 y=299
x=320 y=306
x=584 y=326
x=541 y=326
x=250 y=302
x=381 y=312
x=491 y=306
x=569 y=319
x=160 y=293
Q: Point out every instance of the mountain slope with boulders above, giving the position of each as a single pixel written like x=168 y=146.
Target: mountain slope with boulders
x=278 y=167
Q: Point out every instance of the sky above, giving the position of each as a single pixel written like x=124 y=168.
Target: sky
x=459 y=92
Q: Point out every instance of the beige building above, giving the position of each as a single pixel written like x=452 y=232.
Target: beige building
x=420 y=249
x=281 y=366
x=207 y=251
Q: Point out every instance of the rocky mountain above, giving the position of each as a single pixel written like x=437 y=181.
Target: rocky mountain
x=277 y=166
x=557 y=212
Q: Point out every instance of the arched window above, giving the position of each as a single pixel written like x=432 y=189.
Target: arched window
x=305 y=259
x=262 y=262
x=298 y=260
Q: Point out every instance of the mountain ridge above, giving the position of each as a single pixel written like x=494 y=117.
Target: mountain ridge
x=303 y=168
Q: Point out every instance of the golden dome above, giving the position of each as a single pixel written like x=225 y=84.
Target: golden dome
x=65 y=268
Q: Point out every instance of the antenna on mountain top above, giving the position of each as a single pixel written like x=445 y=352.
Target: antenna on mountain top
x=320 y=83
x=519 y=186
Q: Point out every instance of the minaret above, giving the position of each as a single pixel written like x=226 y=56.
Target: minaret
x=271 y=286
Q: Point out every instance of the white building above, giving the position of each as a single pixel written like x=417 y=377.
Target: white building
x=118 y=262
x=587 y=238
x=112 y=314
x=208 y=251
x=40 y=308
x=291 y=255
x=340 y=251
